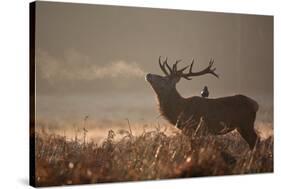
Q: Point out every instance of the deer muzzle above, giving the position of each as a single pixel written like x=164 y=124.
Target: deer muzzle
x=148 y=77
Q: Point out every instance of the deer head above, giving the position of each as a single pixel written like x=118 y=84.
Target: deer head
x=164 y=84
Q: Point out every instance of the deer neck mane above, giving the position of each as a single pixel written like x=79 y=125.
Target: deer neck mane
x=171 y=104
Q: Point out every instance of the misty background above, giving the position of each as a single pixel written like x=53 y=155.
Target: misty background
x=92 y=59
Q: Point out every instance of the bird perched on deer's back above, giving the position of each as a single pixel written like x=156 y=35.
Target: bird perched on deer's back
x=205 y=92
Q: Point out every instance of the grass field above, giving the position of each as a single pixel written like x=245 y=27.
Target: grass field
x=152 y=154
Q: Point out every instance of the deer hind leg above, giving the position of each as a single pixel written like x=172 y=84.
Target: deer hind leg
x=248 y=134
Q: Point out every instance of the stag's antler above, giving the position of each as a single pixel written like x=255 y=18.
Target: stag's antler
x=165 y=65
x=208 y=70
x=162 y=66
x=174 y=72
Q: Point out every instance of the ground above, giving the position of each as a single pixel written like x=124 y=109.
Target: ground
x=150 y=155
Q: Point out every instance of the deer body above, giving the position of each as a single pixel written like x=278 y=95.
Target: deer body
x=221 y=115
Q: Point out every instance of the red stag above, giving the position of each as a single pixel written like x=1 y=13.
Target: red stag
x=220 y=115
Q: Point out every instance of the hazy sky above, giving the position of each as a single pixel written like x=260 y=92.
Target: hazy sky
x=92 y=59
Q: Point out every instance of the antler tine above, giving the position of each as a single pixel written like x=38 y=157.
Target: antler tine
x=191 y=65
x=165 y=61
x=212 y=70
x=211 y=62
x=163 y=67
x=175 y=66
x=167 y=65
x=208 y=70
x=190 y=70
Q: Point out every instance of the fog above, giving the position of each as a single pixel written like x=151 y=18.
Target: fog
x=91 y=60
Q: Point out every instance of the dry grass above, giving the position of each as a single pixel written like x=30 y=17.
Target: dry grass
x=150 y=155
